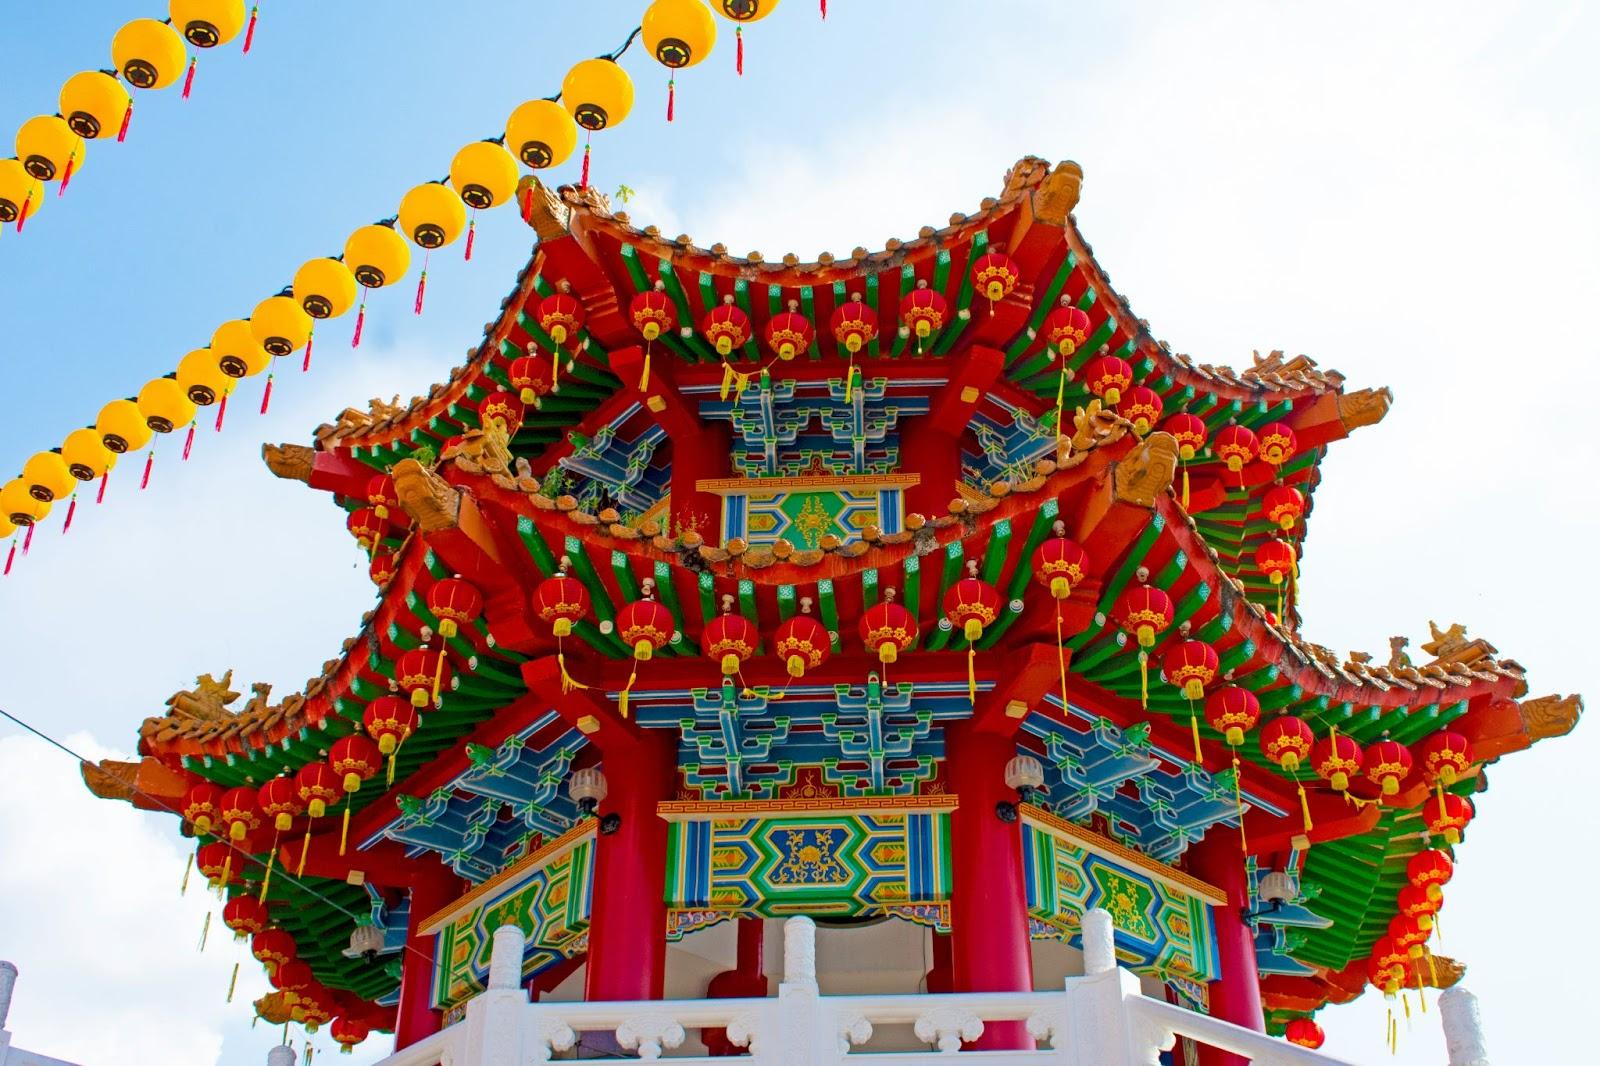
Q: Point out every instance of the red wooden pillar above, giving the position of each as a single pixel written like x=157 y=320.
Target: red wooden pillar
x=628 y=914
x=747 y=978
x=1236 y=996
x=416 y=1019
x=990 y=948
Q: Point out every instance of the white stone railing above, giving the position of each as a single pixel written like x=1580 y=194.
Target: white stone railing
x=1100 y=1019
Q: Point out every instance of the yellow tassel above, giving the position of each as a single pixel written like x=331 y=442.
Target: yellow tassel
x=344 y=830
x=1185 y=486
x=1061 y=396
x=232 y=982
x=568 y=682
x=205 y=931
x=1433 y=974
x=438 y=676
x=392 y=758
x=1144 y=680
x=972 y=674
x=1405 y=1001
x=305 y=849
x=850 y=379
x=622 y=697
x=555 y=370
x=1194 y=731
x=727 y=381
x=266 y=880
x=1305 y=807
x=1238 y=806
x=227 y=874
x=1422 y=998
x=644 y=378
x=188 y=864
x=1061 y=657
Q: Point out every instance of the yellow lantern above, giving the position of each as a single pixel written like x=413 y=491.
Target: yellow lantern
x=122 y=427
x=20 y=506
x=7 y=527
x=48 y=477
x=324 y=288
x=431 y=215
x=597 y=93
x=48 y=148
x=377 y=256
x=150 y=54
x=679 y=33
x=280 y=325
x=85 y=454
x=236 y=350
x=208 y=23
x=201 y=379
x=164 y=405
x=744 y=10
x=484 y=175
x=541 y=134
x=95 y=104
x=20 y=192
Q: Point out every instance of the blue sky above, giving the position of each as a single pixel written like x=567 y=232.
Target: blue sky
x=1403 y=192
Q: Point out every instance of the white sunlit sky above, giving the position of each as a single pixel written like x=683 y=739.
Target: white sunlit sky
x=1405 y=192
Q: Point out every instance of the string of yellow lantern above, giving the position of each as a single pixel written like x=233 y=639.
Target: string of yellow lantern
x=94 y=105
x=596 y=94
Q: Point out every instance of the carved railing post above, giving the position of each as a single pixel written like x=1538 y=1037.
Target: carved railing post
x=8 y=982
x=1099 y=1028
x=494 y=1022
x=1099 y=942
x=802 y=1035
x=282 y=1055
x=1463 y=1028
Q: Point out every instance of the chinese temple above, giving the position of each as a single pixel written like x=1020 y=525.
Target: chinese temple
x=921 y=591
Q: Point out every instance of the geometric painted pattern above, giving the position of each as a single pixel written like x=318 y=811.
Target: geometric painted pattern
x=548 y=896
x=1162 y=917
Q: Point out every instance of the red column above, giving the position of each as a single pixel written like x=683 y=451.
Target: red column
x=416 y=1020
x=990 y=949
x=1236 y=996
x=628 y=913
x=747 y=978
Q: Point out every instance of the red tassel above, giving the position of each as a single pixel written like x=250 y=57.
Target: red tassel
x=250 y=30
x=188 y=80
x=127 y=117
x=66 y=175
x=305 y=364
x=738 y=61
x=22 y=216
x=266 y=397
x=361 y=320
x=583 y=182
x=72 y=509
x=672 y=92
x=527 y=205
x=472 y=231
x=27 y=539
x=824 y=10
x=10 y=558
x=422 y=287
x=188 y=442
x=222 y=412
x=149 y=461
x=100 y=497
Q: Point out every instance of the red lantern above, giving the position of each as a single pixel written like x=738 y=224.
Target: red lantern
x=1233 y=711
x=239 y=812
x=1386 y=969
x=1303 y=1032
x=995 y=275
x=455 y=603
x=1235 y=446
x=1283 y=506
x=381 y=495
x=1445 y=757
x=272 y=948
x=1287 y=742
x=502 y=408
x=1430 y=869
x=1336 y=759
x=924 y=312
x=382 y=568
x=1108 y=377
x=1143 y=612
x=729 y=639
x=1447 y=816
x=348 y=1032
x=1060 y=564
x=652 y=314
x=280 y=801
x=1066 y=328
x=727 y=327
x=802 y=642
x=291 y=976
x=789 y=332
x=420 y=673
x=354 y=759
x=561 y=600
x=1415 y=902
x=1408 y=935
x=646 y=627
x=367 y=527
x=561 y=316
x=1189 y=431
x=390 y=721
x=317 y=786
x=887 y=628
x=1141 y=406
x=526 y=375
x=1386 y=764
x=245 y=915
x=200 y=806
x=1275 y=559
x=854 y=324
x=972 y=605
x=1275 y=443
x=1191 y=666
x=215 y=863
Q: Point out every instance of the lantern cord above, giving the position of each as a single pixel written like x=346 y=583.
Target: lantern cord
x=233 y=983
x=188 y=864
x=100 y=496
x=72 y=508
x=149 y=461
x=250 y=31
x=266 y=395
x=738 y=60
x=188 y=79
x=305 y=364
x=361 y=319
x=127 y=116
x=188 y=438
x=222 y=413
